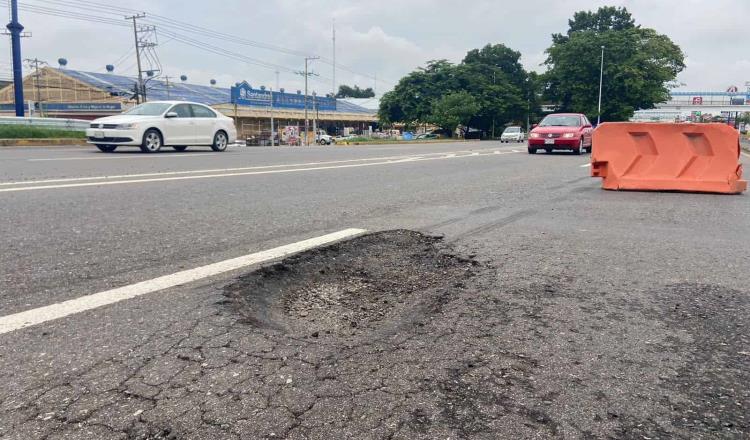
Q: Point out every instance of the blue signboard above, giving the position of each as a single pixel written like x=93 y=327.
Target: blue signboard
x=243 y=94
x=82 y=106
x=71 y=107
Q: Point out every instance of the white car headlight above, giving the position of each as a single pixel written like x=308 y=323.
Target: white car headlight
x=569 y=135
x=126 y=126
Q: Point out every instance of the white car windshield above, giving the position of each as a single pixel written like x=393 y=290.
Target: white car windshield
x=148 y=109
x=561 y=121
x=512 y=130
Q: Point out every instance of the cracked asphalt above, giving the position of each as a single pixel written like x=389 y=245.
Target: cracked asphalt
x=498 y=296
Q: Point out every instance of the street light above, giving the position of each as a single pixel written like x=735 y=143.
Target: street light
x=601 y=77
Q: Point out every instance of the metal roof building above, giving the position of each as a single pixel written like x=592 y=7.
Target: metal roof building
x=88 y=95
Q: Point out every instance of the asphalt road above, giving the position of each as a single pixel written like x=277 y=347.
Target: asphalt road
x=584 y=314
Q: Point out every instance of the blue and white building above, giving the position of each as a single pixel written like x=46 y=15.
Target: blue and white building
x=70 y=93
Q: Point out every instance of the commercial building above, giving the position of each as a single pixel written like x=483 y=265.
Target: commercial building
x=66 y=93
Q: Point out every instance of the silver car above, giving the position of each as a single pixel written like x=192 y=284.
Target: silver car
x=512 y=134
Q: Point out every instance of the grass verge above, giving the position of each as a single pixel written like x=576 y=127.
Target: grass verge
x=31 y=132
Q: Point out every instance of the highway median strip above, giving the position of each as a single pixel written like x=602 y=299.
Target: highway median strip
x=66 y=308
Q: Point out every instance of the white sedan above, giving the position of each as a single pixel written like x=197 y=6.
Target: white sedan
x=512 y=134
x=153 y=125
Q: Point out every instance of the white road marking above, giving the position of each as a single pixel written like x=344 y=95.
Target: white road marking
x=210 y=170
x=66 y=308
x=104 y=156
x=229 y=174
x=586 y=165
x=745 y=154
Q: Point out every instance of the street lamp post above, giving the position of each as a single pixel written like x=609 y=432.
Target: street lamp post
x=601 y=78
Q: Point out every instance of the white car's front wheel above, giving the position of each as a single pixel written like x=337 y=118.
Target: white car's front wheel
x=220 y=141
x=151 y=141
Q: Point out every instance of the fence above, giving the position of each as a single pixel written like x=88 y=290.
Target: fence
x=52 y=123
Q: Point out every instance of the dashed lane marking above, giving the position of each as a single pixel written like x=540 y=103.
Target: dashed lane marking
x=59 y=310
x=586 y=165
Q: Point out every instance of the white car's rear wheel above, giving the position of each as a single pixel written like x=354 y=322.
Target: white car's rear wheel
x=220 y=141
x=151 y=141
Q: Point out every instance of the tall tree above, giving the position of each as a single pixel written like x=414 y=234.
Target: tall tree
x=346 y=91
x=454 y=110
x=492 y=76
x=639 y=63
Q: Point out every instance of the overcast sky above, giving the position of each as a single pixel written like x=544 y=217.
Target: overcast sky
x=384 y=39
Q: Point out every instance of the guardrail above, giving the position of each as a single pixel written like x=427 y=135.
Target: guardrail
x=53 y=123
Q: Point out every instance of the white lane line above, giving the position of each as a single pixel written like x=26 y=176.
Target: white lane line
x=129 y=156
x=221 y=170
x=66 y=308
x=586 y=165
x=232 y=174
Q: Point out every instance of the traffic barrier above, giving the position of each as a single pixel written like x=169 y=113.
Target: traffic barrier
x=668 y=157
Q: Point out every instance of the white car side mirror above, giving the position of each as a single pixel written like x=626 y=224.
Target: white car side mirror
x=171 y=115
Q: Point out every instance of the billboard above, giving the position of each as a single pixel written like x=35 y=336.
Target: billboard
x=244 y=94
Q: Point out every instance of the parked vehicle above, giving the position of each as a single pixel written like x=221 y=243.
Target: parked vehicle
x=512 y=134
x=562 y=131
x=428 y=136
x=323 y=138
x=152 y=125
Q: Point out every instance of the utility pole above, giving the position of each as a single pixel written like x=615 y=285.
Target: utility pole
x=601 y=79
x=315 y=118
x=333 y=85
x=277 y=79
x=307 y=74
x=166 y=84
x=34 y=64
x=16 y=29
x=273 y=138
x=138 y=57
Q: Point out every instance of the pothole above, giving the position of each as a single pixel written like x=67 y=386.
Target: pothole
x=381 y=279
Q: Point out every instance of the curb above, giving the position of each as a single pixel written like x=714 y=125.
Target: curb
x=41 y=142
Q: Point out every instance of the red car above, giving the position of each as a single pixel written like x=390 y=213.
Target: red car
x=562 y=131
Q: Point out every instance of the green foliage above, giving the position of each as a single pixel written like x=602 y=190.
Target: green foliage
x=31 y=132
x=354 y=92
x=639 y=63
x=453 y=110
x=492 y=76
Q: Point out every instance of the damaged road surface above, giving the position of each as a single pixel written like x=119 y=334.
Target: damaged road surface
x=397 y=335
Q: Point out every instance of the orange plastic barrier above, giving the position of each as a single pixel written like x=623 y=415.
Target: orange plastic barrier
x=668 y=157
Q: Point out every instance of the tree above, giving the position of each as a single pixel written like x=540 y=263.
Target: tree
x=492 y=76
x=639 y=63
x=354 y=92
x=454 y=110
x=500 y=57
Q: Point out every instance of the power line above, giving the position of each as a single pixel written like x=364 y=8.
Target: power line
x=175 y=36
x=167 y=22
